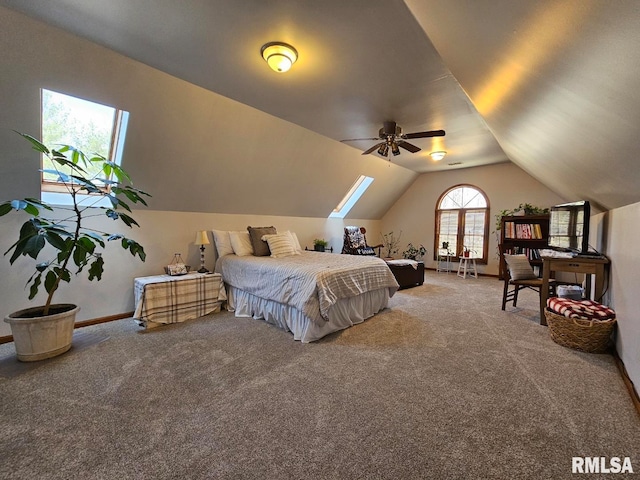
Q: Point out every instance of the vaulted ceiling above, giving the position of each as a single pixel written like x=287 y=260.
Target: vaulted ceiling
x=548 y=84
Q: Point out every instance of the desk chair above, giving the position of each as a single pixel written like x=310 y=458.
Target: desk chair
x=518 y=273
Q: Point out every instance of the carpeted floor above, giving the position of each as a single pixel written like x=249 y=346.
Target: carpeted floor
x=442 y=385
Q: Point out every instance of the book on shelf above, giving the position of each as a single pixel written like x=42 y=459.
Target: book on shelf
x=523 y=231
x=533 y=254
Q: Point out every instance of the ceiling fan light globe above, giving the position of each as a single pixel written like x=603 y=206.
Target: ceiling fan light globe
x=437 y=156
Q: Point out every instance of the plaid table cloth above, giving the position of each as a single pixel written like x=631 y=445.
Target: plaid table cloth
x=166 y=299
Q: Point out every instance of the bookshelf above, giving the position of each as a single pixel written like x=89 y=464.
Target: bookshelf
x=524 y=234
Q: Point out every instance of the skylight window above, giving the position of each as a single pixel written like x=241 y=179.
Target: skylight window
x=89 y=126
x=352 y=196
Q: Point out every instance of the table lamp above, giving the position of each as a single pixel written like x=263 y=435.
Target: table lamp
x=202 y=239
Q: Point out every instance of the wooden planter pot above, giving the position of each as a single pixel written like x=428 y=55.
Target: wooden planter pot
x=36 y=337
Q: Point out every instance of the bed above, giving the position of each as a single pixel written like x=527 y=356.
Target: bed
x=310 y=294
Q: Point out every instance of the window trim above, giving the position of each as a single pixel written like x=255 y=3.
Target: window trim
x=461 y=216
x=55 y=192
x=356 y=191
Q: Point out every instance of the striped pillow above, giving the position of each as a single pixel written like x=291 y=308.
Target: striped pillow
x=519 y=267
x=280 y=244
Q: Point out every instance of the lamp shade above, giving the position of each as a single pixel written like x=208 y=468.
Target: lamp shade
x=202 y=238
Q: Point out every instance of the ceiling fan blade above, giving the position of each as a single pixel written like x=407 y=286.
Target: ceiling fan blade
x=431 y=133
x=408 y=146
x=369 y=150
x=357 y=139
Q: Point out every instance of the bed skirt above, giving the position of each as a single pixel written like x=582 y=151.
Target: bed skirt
x=344 y=314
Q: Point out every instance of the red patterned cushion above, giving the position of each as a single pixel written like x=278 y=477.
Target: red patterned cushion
x=584 y=309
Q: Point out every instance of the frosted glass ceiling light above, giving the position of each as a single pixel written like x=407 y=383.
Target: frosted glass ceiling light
x=437 y=156
x=279 y=56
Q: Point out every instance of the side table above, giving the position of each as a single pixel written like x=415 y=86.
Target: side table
x=467 y=266
x=444 y=261
x=162 y=299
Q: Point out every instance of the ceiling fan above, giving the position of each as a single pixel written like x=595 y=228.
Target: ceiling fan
x=392 y=138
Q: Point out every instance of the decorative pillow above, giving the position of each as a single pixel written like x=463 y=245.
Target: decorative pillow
x=260 y=247
x=281 y=244
x=241 y=243
x=356 y=238
x=223 y=242
x=296 y=243
x=519 y=267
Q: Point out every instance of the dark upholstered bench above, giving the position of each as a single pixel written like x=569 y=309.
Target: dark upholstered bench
x=406 y=275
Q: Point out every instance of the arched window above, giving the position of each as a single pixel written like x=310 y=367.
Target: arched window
x=462 y=221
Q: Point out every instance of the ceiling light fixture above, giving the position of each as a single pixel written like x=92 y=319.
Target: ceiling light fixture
x=439 y=155
x=280 y=56
x=383 y=150
x=394 y=149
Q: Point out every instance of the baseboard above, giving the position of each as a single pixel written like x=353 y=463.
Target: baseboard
x=635 y=398
x=493 y=275
x=84 y=323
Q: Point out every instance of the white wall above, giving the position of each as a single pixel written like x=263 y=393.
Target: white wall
x=505 y=185
x=621 y=228
x=161 y=234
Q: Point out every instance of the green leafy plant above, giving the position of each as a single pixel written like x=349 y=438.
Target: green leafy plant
x=76 y=245
x=390 y=243
x=320 y=242
x=414 y=253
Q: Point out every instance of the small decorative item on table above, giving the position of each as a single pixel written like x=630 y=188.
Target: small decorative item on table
x=177 y=266
x=320 y=244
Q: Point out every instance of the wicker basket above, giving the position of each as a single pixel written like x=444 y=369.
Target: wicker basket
x=592 y=336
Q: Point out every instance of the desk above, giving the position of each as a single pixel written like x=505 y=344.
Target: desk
x=162 y=299
x=588 y=266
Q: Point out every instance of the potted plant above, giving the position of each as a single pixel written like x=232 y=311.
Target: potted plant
x=45 y=331
x=319 y=244
x=466 y=252
x=522 y=209
x=390 y=243
x=414 y=253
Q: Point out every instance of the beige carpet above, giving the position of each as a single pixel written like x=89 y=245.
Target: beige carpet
x=442 y=385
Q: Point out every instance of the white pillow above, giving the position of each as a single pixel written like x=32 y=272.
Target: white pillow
x=241 y=243
x=281 y=245
x=223 y=242
x=519 y=267
x=294 y=239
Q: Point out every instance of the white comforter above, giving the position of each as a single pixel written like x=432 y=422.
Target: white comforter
x=311 y=282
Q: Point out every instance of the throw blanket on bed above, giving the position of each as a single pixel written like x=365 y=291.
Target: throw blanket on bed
x=311 y=282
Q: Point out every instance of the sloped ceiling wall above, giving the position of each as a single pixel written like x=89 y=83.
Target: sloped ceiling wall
x=556 y=82
x=194 y=150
